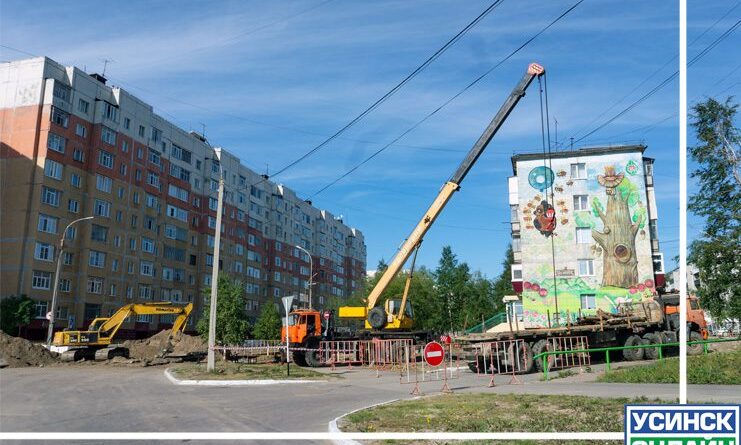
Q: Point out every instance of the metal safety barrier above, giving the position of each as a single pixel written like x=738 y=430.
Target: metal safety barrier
x=510 y=357
x=385 y=354
x=416 y=370
x=569 y=356
x=342 y=352
x=660 y=346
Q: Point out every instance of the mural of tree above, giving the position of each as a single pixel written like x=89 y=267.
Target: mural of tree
x=617 y=238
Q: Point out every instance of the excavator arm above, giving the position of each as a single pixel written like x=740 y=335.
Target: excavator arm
x=376 y=317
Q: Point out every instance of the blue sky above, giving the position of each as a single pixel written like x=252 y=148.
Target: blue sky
x=270 y=80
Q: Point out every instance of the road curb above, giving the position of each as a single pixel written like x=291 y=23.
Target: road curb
x=333 y=428
x=175 y=381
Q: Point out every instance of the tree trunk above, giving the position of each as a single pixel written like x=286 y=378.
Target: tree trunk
x=620 y=264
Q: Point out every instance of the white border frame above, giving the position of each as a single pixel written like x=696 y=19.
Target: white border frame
x=469 y=436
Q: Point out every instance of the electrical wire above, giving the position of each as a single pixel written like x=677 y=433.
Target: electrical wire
x=393 y=90
x=446 y=103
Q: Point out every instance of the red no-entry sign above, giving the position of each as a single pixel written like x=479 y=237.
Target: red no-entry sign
x=434 y=353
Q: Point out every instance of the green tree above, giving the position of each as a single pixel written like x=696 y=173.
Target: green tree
x=717 y=254
x=453 y=288
x=232 y=326
x=480 y=302
x=15 y=311
x=503 y=284
x=267 y=326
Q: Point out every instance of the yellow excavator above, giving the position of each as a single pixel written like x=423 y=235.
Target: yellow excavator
x=397 y=315
x=96 y=340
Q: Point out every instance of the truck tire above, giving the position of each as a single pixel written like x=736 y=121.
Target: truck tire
x=651 y=338
x=311 y=356
x=541 y=346
x=633 y=354
x=299 y=358
x=520 y=358
x=377 y=318
x=695 y=349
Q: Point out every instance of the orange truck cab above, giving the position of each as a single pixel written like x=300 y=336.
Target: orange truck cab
x=302 y=324
x=695 y=315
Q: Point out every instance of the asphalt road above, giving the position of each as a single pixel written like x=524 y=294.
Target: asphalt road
x=111 y=399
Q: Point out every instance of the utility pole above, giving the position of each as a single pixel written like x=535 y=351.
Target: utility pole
x=215 y=269
x=311 y=271
x=55 y=291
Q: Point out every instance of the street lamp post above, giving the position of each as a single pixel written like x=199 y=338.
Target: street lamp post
x=311 y=271
x=215 y=270
x=55 y=291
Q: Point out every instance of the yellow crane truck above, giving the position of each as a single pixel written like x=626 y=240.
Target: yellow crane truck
x=395 y=319
x=97 y=339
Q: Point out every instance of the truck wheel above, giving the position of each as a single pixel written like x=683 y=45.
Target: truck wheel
x=299 y=358
x=695 y=349
x=651 y=339
x=377 y=318
x=478 y=366
x=541 y=346
x=633 y=354
x=520 y=358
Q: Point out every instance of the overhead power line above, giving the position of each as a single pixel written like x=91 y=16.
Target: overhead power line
x=664 y=82
x=447 y=102
x=396 y=88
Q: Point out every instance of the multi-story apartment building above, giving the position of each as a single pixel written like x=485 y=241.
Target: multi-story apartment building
x=584 y=232
x=73 y=146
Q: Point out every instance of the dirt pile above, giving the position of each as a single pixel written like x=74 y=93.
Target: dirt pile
x=153 y=346
x=18 y=352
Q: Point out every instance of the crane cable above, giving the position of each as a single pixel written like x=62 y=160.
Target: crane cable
x=545 y=131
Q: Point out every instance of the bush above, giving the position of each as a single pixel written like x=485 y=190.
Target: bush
x=232 y=326
x=15 y=312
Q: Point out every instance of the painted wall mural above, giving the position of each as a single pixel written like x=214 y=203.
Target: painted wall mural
x=595 y=223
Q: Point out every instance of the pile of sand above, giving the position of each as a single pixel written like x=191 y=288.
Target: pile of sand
x=155 y=345
x=18 y=352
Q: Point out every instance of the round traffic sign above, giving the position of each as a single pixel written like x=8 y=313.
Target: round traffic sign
x=434 y=353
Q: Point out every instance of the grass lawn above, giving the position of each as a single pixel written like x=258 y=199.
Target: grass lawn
x=493 y=412
x=720 y=368
x=241 y=371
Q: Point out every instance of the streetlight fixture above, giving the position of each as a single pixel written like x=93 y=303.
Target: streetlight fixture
x=215 y=269
x=55 y=291
x=311 y=271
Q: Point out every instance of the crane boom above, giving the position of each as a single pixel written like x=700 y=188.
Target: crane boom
x=446 y=192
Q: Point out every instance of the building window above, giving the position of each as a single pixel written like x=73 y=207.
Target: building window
x=148 y=245
x=105 y=159
x=658 y=260
x=75 y=180
x=73 y=205
x=112 y=290
x=102 y=208
x=68 y=258
x=40 y=309
x=583 y=235
x=62 y=92
x=110 y=112
x=71 y=233
x=580 y=202
x=50 y=196
x=99 y=233
x=103 y=183
x=60 y=117
x=41 y=280
x=153 y=180
x=95 y=285
x=83 y=106
x=652 y=229
x=114 y=265
x=44 y=252
x=588 y=301
x=47 y=223
x=516 y=272
x=156 y=135
x=80 y=130
x=53 y=169
x=177 y=213
x=65 y=285
x=586 y=268
x=579 y=171
x=516 y=244
x=108 y=136
x=96 y=259
x=78 y=155
x=56 y=142
x=146 y=268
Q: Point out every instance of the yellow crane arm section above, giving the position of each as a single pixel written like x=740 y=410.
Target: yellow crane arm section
x=451 y=186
